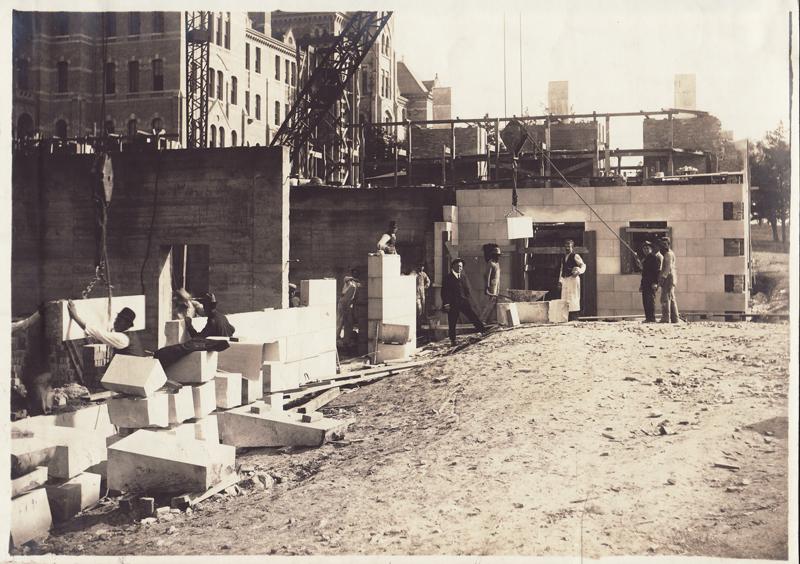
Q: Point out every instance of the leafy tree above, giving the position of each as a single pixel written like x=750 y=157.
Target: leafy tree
x=770 y=171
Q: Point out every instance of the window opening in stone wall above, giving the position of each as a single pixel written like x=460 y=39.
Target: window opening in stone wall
x=234 y=90
x=157 y=124
x=190 y=268
x=733 y=211
x=132 y=127
x=60 y=23
x=635 y=235
x=110 y=23
x=134 y=23
x=258 y=106
x=228 y=31
x=109 y=126
x=25 y=127
x=277 y=67
x=734 y=283
x=247 y=56
x=62 y=70
x=220 y=86
x=211 y=75
x=158 y=74
x=247 y=101
x=277 y=113
x=733 y=247
x=258 y=60
x=287 y=71
x=158 y=22
x=61 y=129
x=233 y=139
x=133 y=76
x=212 y=142
x=111 y=78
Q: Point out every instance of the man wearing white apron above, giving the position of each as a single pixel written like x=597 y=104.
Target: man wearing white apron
x=569 y=278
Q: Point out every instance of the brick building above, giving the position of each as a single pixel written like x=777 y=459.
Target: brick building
x=426 y=100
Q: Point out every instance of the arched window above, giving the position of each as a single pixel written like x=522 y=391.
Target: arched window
x=220 y=86
x=61 y=129
x=157 y=124
x=24 y=126
x=211 y=76
x=132 y=127
x=221 y=136
x=233 y=139
x=213 y=141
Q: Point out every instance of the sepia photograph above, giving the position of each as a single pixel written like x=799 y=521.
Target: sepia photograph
x=453 y=280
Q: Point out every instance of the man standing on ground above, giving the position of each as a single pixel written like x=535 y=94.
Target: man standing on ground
x=388 y=241
x=651 y=268
x=572 y=266
x=345 y=307
x=217 y=324
x=117 y=338
x=456 y=299
x=492 y=289
x=423 y=283
x=668 y=277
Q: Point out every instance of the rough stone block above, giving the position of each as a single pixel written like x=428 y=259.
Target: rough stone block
x=206 y=429
x=605 y=282
x=383 y=266
x=91 y=418
x=489 y=231
x=558 y=311
x=614 y=300
x=243 y=357
x=691 y=301
x=140 y=412
x=73 y=496
x=154 y=462
x=30 y=481
x=134 y=375
x=204 y=398
x=705 y=248
x=181 y=405
x=507 y=314
x=394 y=352
x=252 y=390
x=561 y=213
x=318 y=292
x=467 y=197
x=194 y=368
x=80 y=453
x=228 y=387
x=30 y=517
x=65 y=451
x=532 y=312
x=240 y=427
x=397 y=334
x=692 y=265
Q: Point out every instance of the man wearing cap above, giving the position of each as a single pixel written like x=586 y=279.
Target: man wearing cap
x=456 y=299
x=388 y=242
x=651 y=268
x=217 y=324
x=569 y=278
x=117 y=338
x=668 y=276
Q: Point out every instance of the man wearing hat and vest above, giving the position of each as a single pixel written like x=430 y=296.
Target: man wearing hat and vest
x=388 y=241
x=117 y=338
x=572 y=266
x=668 y=277
x=217 y=324
x=456 y=299
x=651 y=268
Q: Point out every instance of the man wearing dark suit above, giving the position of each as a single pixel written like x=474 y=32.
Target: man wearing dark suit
x=651 y=267
x=456 y=299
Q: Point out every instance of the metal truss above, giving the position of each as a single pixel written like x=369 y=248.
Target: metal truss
x=197 y=55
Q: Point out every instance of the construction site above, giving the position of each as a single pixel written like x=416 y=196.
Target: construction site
x=293 y=378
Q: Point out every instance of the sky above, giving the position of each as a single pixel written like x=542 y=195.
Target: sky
x=617 y=56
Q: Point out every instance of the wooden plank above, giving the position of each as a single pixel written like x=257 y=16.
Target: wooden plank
x=324 y=398
x=95 y=311
x=190 y=499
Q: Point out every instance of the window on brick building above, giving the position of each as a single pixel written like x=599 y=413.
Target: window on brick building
x=111 y=78
x=134 y=23
x=277 y=113
x=247 y=101
x=133 y=76
x=211 y=27
x=220 y=86
x=211 y=75
x=287 y=71
x=62 y=72
x=635 y=235
x=158 y=74
x=219 y=30
x=60 y=23
x=294 y=74
x=23 y=81
x=364 y=81
x=110 y=22
x=234 y=89
x=277 y=67
x=212 y=141
x=258 y=59
x=133 y=127
x=247 y=56
x=733 y=247
x=158 y=22
x=285 y=111
x=61 y=129
x=157 y=124
x=221 y=136
x=228 y=31
x=258 y=106
x=233 y=138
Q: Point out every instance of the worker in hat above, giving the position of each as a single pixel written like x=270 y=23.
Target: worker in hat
x=651 y=268
x=668 y=277
x=569 y=278
x=217 y=324
x=456 y=299
x=388 y=241
x=117 y=338
x=492 y=289
x=345 y=309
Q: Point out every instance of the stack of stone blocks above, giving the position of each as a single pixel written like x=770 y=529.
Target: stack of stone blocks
x=391 y=301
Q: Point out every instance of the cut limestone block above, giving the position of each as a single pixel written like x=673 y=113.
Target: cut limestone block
x=275 y=351
x=205 y=399
x=507 y=314
x=65 y=451
x=206 y=429
x=383 y=266
x=29 y=481
x=30 y=517
x=134 y=375
x=95 y=311
x=274 y=401
x=280 y=376
x=28 y=453
x=73 y=496
x=245 y=358
x=533 y=312
x=228 y=388
x=92 y=418
x=154 y=462
x=175 y=332
x=318 y=292
x=140 y=412
x=394 y=352
x=252 y=390
x=271 y=428
x=518 y=227
x=558 y=311
x=194 y=368
x=182 y=431
x=396 y=334
x=31 y=423
x=181 y=405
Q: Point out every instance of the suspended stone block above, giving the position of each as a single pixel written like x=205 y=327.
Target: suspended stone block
x=204 y=398
x=194 y=368
x=252 y=390
x=228 y=387
x=517 y=227
x=140 y=412
x=30 y=517
x=162 y=463
x=134 y=375
x=181 y=405
x=29 y=481
x=240 y=427
x=73 y=496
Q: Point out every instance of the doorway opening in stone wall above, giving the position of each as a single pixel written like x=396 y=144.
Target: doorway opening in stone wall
x=180 y=266
x=544 y=260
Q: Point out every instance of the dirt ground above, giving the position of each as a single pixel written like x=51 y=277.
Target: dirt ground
x=543 y=440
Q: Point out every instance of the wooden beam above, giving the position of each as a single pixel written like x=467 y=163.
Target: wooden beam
x=318 y=401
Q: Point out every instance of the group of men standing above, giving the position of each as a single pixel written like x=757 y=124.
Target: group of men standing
x=659 y=271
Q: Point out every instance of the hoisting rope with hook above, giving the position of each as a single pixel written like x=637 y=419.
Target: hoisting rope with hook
x=102 y=186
